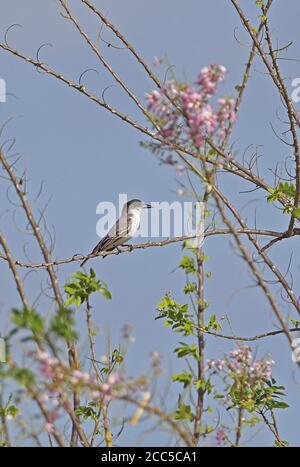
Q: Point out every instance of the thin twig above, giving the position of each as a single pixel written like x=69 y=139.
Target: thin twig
x=142 y=246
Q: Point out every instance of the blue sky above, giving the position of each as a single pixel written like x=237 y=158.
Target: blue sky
x=84 y=155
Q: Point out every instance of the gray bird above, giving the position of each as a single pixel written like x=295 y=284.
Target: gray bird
x=124 y=229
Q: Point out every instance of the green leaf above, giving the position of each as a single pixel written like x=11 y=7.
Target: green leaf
x=186 y=350
x=280 y=405
x=12 y=410
x=184 y=412
x=117 y=357
x=86 y=412
x=106 y=293
x=190 y=288
x=187 y=263
x=296 y=213
x=283 y=189
x=212 y=153
x=23 y=376
x=294 y=322
x=28 y=319
x=82 y=286
x=183 y=377
x=213 y=324
x=63 y=323
x=204 y=384
x=175 y=315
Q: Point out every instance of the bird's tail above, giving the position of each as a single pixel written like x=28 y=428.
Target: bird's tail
x=86 y=259
x=99 y=247
x=83 y=262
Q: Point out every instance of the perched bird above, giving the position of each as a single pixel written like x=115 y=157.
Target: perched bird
x=124 y=229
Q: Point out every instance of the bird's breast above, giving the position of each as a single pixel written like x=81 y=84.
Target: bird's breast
x=134 y=223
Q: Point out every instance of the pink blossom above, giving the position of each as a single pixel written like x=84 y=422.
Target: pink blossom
x=210 y=364
x=49 y=427
x=184 y=113
x=171 y=89
x=220 y=436
x=242 y=368
x=105 y=387
x=153 y=98
x=114 y=378
x=95 y=395
x=107 y=392
x=169 y=133
x=180 y=169
x=79 y=376
x=220 y=364
x=215 y=364
x=209 y=77
x=42 y=355
x=191 y=99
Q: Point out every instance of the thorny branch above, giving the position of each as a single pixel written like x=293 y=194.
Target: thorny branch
x=142 y=246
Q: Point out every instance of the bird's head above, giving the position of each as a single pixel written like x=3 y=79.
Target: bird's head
x=134 y=206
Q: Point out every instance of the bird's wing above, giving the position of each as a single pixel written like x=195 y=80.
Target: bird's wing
x=116 y=234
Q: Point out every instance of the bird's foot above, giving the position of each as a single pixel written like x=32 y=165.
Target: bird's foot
x=130 y=247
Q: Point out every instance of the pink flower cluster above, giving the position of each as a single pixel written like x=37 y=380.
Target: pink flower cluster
x=59 y=379
x=226 y=113
x=184 y=112
x=111 y=389
x=209 y=78
x=240 y=362
x=220 y=436
x=51 y=367
x=50 y=399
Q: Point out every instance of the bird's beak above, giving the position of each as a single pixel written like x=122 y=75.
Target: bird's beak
x=147 y=206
